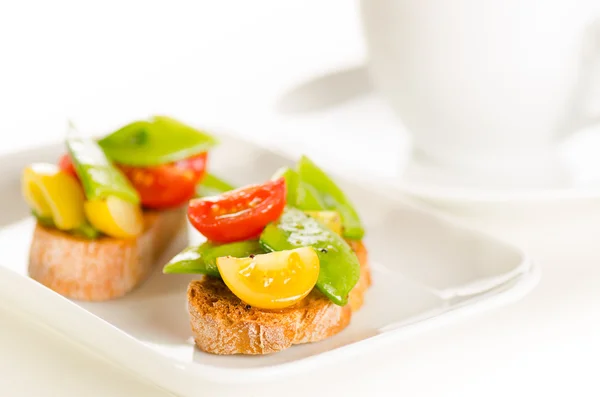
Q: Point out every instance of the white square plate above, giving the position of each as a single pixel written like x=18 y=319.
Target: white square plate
x=426 y=271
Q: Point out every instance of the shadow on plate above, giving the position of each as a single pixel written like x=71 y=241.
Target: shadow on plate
x=326 y=91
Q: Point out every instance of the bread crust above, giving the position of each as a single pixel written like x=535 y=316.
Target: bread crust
x=222 y=324
x=104 y=268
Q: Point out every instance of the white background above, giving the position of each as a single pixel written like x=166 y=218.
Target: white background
x=227 y=65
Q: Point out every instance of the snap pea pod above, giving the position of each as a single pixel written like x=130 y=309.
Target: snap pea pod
x=332 y=197
x=158 y=140
x=84 y=230
x=339 y=267
x=88 y=231
x=202 y=259
x=212 y=185
x=99 y=177
x=299 y=194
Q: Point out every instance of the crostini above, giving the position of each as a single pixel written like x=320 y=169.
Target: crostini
x=283 y=264
x=110 y=207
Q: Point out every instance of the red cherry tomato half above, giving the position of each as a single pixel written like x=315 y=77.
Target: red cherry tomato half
x=239 y=214
x=168 y=185
x=66 y=165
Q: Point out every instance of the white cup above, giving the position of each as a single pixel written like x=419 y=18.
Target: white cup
x=487 y=87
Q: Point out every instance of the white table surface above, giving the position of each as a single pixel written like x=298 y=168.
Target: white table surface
x=227 y=65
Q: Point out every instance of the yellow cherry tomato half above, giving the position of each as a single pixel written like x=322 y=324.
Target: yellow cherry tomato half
x=331 y=219
x=115 y=217
x=271 y=281
x=52 y=193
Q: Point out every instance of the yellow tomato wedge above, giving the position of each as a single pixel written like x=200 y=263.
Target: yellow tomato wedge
x=331 y=219
x=271 y=281
x=54 y=194
x=115 y=217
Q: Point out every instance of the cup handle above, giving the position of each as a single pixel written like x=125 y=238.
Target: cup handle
x=587 y=91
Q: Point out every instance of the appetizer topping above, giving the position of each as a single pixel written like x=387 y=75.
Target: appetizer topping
x=54 y=195
x=84 y=230
x=271 y=281
x=66 y=165
x=299 y=193
x=99 y=178
x=291 y=182
x=331 y=219
x=340 y=269
x=311 y=189
x=318 y=218
x=115 y=217
x=156 y=141
x=332 y=196
x=203 y=259
x=212 y=185
x=239 y=214
x=168 y=185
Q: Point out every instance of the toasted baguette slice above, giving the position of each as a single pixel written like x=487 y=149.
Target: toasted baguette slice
x=223 y=324
x=104 y=268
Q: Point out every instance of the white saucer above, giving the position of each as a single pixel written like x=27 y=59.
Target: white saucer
x=342 y=106
x=578 y=178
